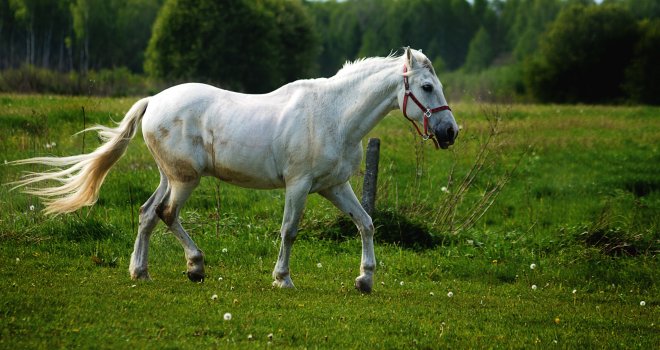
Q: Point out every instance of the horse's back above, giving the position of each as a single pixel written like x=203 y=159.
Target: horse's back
x=195 y=130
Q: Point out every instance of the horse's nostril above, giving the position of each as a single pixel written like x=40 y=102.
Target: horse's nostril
x=450 y=133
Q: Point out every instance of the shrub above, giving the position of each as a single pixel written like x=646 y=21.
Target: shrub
x=583 y=55
x=106 y=82
x=643 y=74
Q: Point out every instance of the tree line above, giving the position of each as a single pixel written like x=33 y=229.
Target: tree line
x=560 y=50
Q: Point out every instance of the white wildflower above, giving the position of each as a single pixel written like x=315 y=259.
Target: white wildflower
x=224 y=250
x=227 y=316
x=319 y=265
x=532 y=266
x=31 y=207
x=450 y=294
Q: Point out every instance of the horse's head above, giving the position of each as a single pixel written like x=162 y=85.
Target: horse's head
x=421 y=99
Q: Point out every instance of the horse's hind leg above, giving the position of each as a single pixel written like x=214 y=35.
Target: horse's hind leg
x=343 y=197
x=168 y=211
x=148 y=220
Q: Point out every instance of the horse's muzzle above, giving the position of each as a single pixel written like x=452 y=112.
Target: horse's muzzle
x=446 y=134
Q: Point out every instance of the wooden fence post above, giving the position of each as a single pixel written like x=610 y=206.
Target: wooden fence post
x=371 y=176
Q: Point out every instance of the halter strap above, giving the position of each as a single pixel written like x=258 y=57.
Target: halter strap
x=427 y=111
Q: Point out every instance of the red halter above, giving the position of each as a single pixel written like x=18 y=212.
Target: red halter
x=427 y=111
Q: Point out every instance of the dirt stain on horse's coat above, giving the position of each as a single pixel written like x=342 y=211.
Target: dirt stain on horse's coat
x=177 y=169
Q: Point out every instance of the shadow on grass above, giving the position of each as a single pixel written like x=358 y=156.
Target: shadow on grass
x=391 y=227
x=79 y=229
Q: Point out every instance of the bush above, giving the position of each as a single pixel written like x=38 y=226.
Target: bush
x=643 y=74
x=495 y=84
x=240 y=44
x=106 y=82
x=583 y=55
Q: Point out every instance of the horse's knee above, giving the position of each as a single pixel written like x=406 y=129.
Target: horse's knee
x=367 y=229
x=289 y=234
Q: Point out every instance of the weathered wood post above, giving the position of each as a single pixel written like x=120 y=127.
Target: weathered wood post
x=371 y=176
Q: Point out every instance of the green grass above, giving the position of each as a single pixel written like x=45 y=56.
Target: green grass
x=583 y=205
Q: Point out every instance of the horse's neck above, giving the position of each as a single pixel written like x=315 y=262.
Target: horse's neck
x=366 y=99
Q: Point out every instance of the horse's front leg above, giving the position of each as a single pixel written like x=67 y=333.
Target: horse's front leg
x=294 y=204
x=343 y=197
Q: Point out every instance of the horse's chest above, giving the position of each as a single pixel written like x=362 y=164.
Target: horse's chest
x=331 y=168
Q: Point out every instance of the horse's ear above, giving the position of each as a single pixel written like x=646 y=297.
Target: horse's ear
x=410 y=58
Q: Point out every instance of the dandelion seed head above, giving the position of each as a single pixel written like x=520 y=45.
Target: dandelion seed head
x=450 y=294
x=224 y=250
x=574 y=291
x=642 y=303
x=534 y=287
x=214 y=297
x=532 y=266
x=401 y=283
x=227 y=316
x=31 y=207
x=319 y=265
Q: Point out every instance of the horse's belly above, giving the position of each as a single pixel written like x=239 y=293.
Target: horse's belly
x=255 y=175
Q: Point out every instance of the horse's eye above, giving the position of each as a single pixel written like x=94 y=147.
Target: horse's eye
x=427 y=87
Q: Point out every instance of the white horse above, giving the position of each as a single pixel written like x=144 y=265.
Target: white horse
x=305 y=137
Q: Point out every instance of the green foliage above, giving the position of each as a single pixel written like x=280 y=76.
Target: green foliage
x=583 y=55
x=481 y=51
x=643 y=74
x=105 y=82
x=67 y=35
x=244 y=45
x=524 y=22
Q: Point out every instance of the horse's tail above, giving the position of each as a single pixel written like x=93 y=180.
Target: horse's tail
x=82 y=176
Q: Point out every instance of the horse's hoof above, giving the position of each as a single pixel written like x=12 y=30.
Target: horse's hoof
x=364 y=284
x=283 y=283
x=196 y=276
x=141 y=275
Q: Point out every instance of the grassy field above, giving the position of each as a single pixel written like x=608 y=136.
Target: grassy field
x=566 y=256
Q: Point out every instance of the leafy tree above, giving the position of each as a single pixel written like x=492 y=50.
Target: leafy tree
x=481 y=51
x=643 y=74
x=583 y=55
x=246 y=45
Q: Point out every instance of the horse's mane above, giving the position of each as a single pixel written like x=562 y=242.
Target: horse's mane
x=358 y=66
